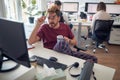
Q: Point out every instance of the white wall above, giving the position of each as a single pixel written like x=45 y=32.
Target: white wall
x=43 y=5
x=2 y=8
x=83 y=1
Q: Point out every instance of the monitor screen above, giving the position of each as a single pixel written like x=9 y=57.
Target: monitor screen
x=70 y=6
x=13 y=42
x=110 y=8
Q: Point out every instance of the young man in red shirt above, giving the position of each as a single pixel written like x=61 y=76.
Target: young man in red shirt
x=49 y=32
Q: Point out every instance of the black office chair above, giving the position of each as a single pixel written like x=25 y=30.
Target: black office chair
x=101 y=32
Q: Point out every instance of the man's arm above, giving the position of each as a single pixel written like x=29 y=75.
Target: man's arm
x=71 y=41
x=34 y=38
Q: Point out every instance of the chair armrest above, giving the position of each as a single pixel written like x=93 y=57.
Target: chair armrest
x=79 y=48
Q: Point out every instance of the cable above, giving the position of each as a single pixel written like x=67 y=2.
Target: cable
x=76 y=65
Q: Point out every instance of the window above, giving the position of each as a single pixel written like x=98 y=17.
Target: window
x=13 y=9
x=41 y=5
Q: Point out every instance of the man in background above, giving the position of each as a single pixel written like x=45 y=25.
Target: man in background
x=63 y=17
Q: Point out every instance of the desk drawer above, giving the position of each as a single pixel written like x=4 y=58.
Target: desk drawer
x=115 y=36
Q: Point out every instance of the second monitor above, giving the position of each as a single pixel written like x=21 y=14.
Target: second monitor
x=70 y=7
x=111 y=8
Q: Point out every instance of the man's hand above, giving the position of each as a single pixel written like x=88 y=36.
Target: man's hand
x=67 y=39
x=33 y=37
x=70 y=41
x=41 y=20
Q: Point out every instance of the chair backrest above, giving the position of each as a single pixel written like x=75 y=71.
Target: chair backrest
x=102 y=29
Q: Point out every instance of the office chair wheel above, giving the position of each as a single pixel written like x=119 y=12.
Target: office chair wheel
x=86 y=46
x=94 y=51
x=106 y=50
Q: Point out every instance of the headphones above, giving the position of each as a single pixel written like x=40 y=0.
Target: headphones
x=76 y=65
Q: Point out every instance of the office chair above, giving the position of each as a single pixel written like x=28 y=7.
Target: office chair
x=101 y=32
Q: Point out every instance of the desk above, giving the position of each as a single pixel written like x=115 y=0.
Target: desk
x=85 y=24
x=80 y=24
x=114 y=35
x=101 y=72
x=21 y=73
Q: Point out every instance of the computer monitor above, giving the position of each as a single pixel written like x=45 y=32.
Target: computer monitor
x=70 y=7
x=12 y=44
x=111 y=8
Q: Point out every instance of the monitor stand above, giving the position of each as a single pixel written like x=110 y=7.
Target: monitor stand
x=6 y=64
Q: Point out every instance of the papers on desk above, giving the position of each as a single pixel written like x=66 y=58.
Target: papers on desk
x=47 y=71
x=29 y=46
x=51 y=74
x=59 y=76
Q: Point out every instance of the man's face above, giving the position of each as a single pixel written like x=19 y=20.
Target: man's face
x=53 y=20
x=59 y=7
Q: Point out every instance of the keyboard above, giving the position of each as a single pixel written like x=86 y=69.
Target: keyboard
x=56 y=65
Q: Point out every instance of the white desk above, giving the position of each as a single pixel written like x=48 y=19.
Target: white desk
x=80 y=23
x=101 y=72
x=114 y=35
x=21 y=73
x=29 y=28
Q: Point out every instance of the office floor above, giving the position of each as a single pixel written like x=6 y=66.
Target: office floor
x=111 y=59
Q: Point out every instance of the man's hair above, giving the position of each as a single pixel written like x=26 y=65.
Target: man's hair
x=101 y=6
x=54 y=9
x=57 y=2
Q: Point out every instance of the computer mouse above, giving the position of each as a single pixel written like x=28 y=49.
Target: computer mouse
x=53 y=59
x=33 y=58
